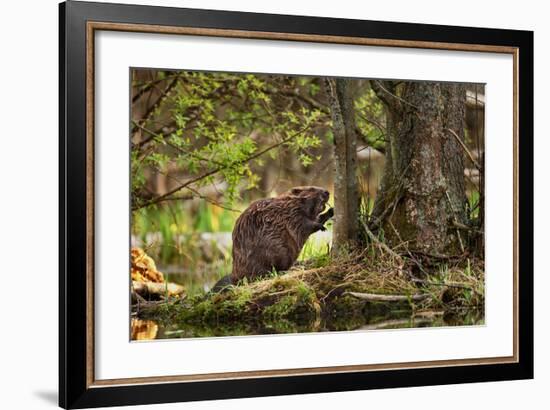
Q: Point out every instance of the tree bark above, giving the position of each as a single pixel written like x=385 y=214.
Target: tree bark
x=346 y=200
x=422 y=195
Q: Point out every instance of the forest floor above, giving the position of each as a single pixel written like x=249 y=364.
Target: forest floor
x=340 y=290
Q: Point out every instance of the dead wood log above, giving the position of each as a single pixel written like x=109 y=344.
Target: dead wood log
x=373 y=297
x=155 y=291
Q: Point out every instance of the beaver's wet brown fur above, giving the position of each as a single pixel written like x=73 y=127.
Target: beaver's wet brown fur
x=270 y=233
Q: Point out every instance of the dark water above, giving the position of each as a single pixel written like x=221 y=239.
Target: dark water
x=150 y=329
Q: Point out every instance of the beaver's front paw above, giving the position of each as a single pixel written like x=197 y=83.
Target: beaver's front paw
x=330 y=213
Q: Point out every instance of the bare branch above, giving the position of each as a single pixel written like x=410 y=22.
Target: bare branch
x=381 y=244
x=392 y=94
x=158 y=101
x=372 y=121
x=465 y=148
x=148 y=86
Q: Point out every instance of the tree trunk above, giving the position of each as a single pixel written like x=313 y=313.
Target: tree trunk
x=346 y=201
x=422 y=200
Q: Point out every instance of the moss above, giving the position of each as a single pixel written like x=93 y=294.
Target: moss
x=232 y=305
x=314 y=298
x=288 y=298
x=281 y=309
x=301 y=305
x=283 y=297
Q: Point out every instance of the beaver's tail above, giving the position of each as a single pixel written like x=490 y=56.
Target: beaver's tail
x=223 y=283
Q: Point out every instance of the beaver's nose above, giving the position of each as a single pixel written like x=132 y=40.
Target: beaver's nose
x=326 y=194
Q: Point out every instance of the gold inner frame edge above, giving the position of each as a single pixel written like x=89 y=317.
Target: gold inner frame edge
x=92 y=26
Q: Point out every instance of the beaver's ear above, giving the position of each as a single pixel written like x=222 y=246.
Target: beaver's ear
x=295 y=191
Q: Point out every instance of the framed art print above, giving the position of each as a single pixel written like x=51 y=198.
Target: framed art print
x=258 y=205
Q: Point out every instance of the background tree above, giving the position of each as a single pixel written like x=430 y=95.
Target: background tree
x=346 y=200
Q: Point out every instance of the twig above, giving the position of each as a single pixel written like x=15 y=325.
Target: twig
x=341 y=285
x=459 y=225
x=310 y=101
x=439 y=255
x=465 y=148
x=418 y=264
x=197 y=195
x=159 y=101
x=396 y=192
x=443 y=284
x=147 y=87
x=213 y=201
x=379 y=83
x=216 y=170
x=455 y=221
x=379 y=243
x=380 y=127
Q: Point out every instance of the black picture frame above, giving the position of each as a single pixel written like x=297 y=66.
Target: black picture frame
x=75 y=390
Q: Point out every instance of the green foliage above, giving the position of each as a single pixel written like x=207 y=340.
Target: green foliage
x=473 y=204
x=370 y=118
x=316 y=253
x=212 y=126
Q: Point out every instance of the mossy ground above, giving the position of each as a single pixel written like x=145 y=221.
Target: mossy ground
x=301 y=298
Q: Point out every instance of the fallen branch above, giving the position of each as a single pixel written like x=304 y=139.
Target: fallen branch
x=374 y=297
x=144 y=307
x=156 y=290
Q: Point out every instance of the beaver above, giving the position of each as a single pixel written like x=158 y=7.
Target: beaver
x=270 y=233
